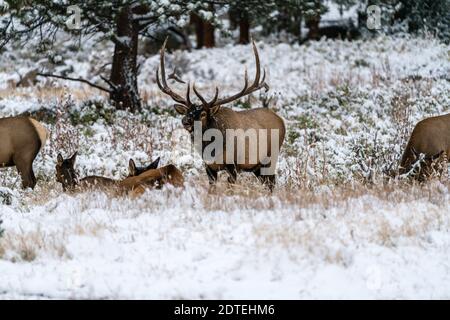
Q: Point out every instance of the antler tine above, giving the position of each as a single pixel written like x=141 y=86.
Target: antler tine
x=264 y=76
x=258 y=65
x=163 y=86
x=188 y=91
x=263 y=82
x=213 y=101
x=162 y=62
x=200 y=96
x=205 y=103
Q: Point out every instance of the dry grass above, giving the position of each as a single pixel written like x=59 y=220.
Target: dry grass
x=324 y=211
x=49 y=93
x=28 y=245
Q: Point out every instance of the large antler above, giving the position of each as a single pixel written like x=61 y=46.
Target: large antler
x=164 y=87
x=256 y=85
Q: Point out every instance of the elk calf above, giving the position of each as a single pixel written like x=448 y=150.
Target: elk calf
x=430 y=137
x=21 y=139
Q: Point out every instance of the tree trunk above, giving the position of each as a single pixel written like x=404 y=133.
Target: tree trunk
x=297 y=26
x=199 y=30
x=312 y=24
x=234 y=19
x=209 y=39
x=244 y=28
x=124 y=67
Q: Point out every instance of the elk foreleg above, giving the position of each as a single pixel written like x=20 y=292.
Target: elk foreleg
x=212 y=175
x=267 y=180
x=232 y=173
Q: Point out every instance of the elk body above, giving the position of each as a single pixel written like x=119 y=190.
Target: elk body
x=430 y=137
x=21 y=139
x=212 y=115
x=139 y=178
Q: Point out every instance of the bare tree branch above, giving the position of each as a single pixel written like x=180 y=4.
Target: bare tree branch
x=75 y=79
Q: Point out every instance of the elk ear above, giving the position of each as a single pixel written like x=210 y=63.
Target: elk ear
x=214 y=110
x=73 y=158
x=59 y=159
x=154 y=164
x=181 y=109
x=131 y=168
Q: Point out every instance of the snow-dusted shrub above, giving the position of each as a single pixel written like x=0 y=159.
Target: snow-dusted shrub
x=6 y=196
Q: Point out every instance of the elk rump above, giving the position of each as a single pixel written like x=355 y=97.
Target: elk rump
x=430 y=137
x=21 y=139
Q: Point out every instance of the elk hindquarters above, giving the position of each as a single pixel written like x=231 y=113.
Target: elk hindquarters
x=21 y=139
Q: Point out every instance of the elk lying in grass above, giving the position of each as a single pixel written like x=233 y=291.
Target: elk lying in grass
x=429 y=143
x=21 y=139
x=211 y=115
x=139 y=178
x=67 y=176
x=154 y=178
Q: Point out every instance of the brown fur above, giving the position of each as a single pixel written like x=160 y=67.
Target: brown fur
x=97 y=182
x=21 y=139
x=260 y=118
x=430 y=137
x=226 y=118
x=152 y=178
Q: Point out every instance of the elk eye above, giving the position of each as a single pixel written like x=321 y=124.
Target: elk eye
x=203 y=114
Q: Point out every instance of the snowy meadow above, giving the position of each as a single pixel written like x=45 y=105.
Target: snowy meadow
x=338 y=225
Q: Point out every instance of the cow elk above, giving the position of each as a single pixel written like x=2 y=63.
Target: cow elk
x=67 y=176
x=21 y=139
x=429 y=143
x=212 y=115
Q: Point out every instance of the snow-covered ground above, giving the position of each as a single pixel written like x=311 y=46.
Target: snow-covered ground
x=333 y=228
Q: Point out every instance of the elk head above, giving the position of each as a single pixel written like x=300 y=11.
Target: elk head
x=133 y=170
x=65 y=171
x=204 y=111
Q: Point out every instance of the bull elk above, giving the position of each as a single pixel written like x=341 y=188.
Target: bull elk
x=431 y=138
x=139 y=178
x=21 y=139
x=212 y=115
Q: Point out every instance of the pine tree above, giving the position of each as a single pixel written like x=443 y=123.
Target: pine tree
x=120 y=21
